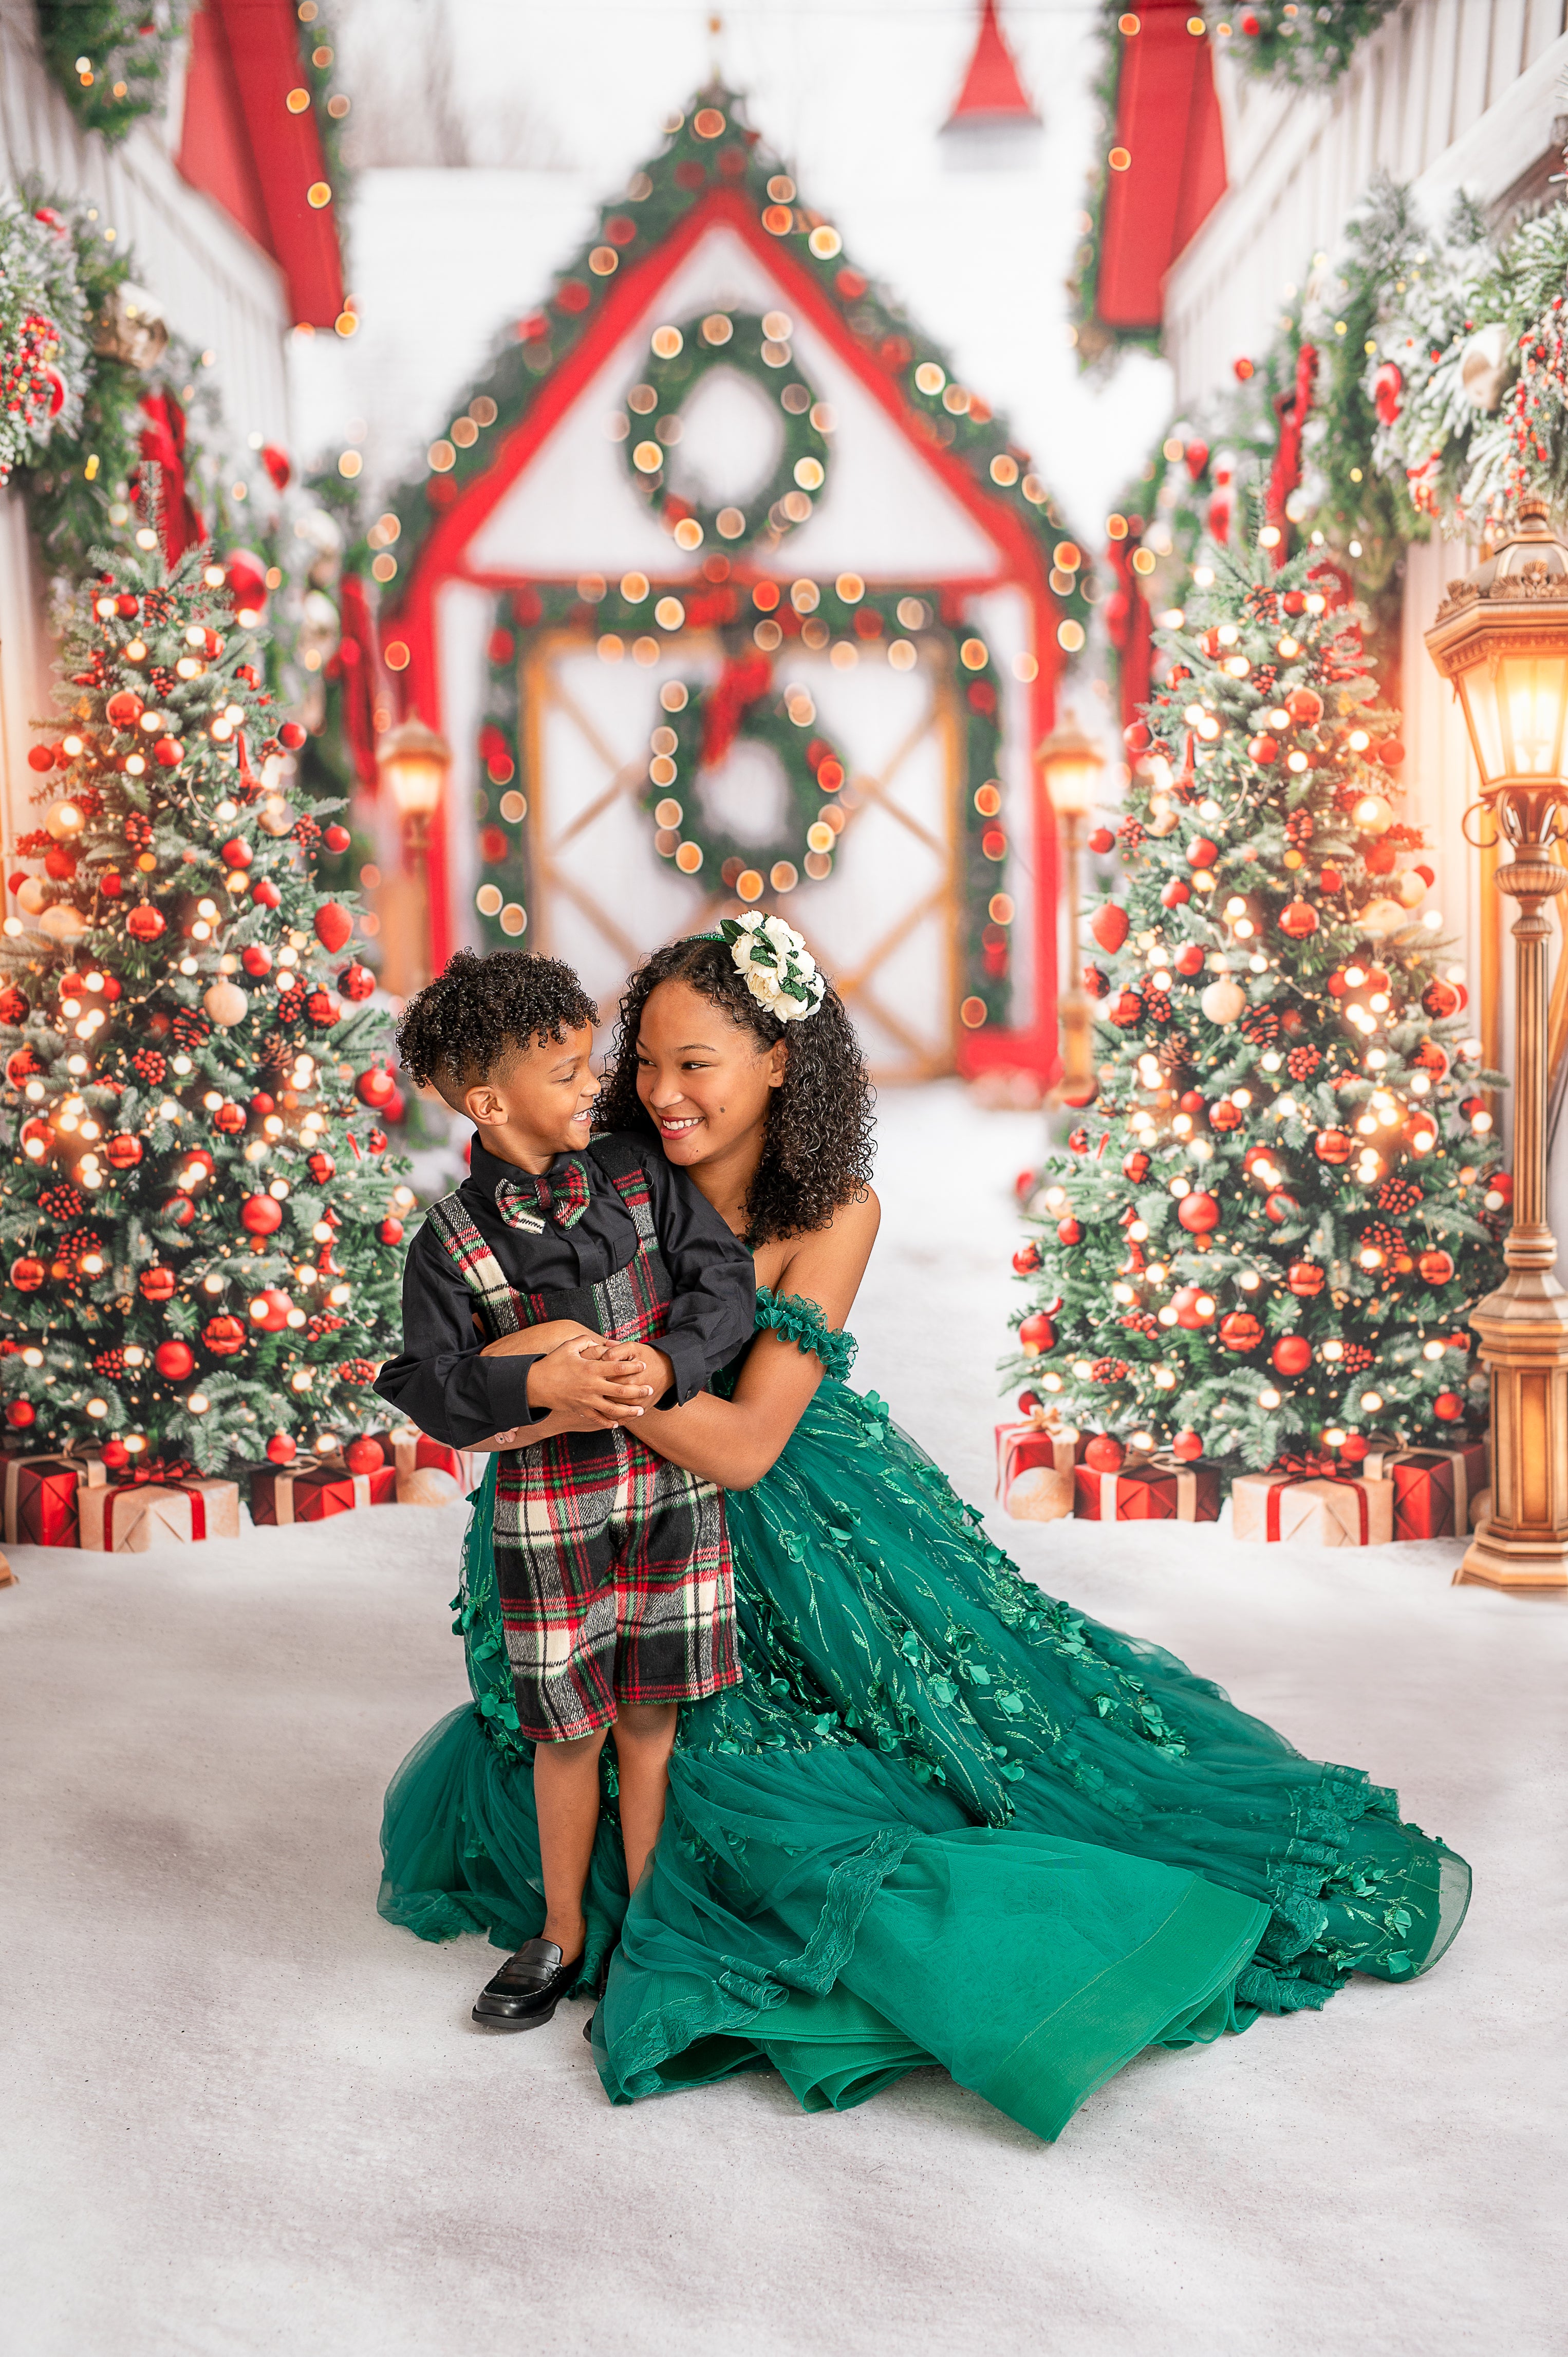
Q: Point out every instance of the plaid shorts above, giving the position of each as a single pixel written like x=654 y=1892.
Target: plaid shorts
x=613 y=1569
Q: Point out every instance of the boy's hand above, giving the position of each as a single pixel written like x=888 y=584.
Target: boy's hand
x=651 y=1366
x=586 y=1378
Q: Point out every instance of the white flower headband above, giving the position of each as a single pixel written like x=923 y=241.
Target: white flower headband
x=780 y=970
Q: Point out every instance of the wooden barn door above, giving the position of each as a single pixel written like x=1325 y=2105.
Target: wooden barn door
x=885 y=924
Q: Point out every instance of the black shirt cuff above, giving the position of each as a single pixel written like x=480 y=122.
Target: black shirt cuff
x=689 y=1361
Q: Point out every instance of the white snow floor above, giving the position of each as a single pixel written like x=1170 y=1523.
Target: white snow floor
x=243 y=2115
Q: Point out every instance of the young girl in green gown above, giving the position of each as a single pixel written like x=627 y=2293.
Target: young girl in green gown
x=942 y=1818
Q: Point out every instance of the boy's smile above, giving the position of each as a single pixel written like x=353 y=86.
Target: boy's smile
x=539 y=1103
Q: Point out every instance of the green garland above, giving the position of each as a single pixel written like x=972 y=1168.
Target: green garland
x=1307 y=45
x=711 y=145
x=672 y=797
x=128 y=52
x=682 y=356
x=984 y=855
x=43 y=332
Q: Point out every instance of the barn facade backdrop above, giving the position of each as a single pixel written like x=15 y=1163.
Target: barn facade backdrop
x=724 y=591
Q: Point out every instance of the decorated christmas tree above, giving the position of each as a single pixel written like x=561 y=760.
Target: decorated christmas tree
x=199 y=1220
x=1270 y=1231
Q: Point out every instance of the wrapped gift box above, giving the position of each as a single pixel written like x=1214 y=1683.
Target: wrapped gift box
x=1434 y=1489
x=40 y=1498
x=124 y=1517
x=1041 y=1494
x=1148 y=1490
x=1311 y=1509
x=310 y=1492
x=429 y=1473
x=1022 y=1446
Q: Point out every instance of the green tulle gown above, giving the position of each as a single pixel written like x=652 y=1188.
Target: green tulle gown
x=942 y=1818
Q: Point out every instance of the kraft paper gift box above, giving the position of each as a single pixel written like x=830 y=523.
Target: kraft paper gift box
x=311 y=1493
x=1311 y=1509
x=1148 y=1490
x=40 y=1498
x=1434 y=1489
x=430 y=1473
x=1022 y=1446
x=125 y=1517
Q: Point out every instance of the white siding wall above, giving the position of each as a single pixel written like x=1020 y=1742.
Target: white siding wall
x=216 y=289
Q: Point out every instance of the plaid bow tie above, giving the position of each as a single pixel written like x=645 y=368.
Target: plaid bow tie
x=527 y=1201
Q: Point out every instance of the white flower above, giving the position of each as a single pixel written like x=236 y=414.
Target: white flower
x=781 y=935
x=764 y=984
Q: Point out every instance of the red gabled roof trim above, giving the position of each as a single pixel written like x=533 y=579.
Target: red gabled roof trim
x=1168 y=122
x=240 y=145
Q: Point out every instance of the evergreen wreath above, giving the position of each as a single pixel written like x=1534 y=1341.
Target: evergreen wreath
x=43 y=331
x=1302 y=44
x=700 y=726
x=111 y=61
x=680 y=359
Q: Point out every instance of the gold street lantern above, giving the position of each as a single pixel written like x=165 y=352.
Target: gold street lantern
x=413 y=763
x=1501 y=636
x=1071 y=765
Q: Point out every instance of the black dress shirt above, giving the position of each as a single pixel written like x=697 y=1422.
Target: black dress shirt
x=443 y=1382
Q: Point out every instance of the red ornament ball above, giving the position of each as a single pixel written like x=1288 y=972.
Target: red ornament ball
x=1108 y=926
x=1137 y=1168
x=20 y=1413
x=1198 y=1213
x=1036 y=1334
x=158 y=1284
x=180 y=1210
x=1298 y=919
x=40 y=758
x=1264 y=750
x=123 y=1152
x=1191 y=1100
x=269 y=1310
x=1435 y=1267
x=1239 y=1331
x=260 y=1215
x=390 y=1232
x=333 y=924
x=281 y=1449
x=237 y=852
x=1354 y=1447
x=292 y=735
x=364 y=1456
x=335 y=839
x=377 y=1141
x=265 y=895
x=1201 y=853
x=356 y=983
x=1279 y=1205
x=115 y=1453
x=321 y=1167
x=1187 y=1446
x=1026 y=1260
x=1306 y=1279
x=246 y=578
x=1333 y=1146
x=228 y=1120
x=1304 y=706
x=174 y=1361
x=1292 y=1355
x=223 y=1336
x=1448 y=1407
x=1223 y=1114
x=1175 y=894
x=256 y=961
x=322 y=1009
x=1136 y=736
x=1104 y=1455
x=375 y=1087
x=1101 y=840
x=124 y=709
x=1190 y=960
x=1441 y=1000
x=1193 y=1306
x=166 y=752
x=144 y=922
x=28 y=1273
x=1068 y=1231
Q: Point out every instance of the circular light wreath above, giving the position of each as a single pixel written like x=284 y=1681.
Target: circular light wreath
x=671 y=794
x=679 y=357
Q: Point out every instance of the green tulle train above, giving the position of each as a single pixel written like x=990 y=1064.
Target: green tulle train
x=942 y=1818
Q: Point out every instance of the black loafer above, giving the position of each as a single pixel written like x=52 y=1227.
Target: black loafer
x=528 y=1987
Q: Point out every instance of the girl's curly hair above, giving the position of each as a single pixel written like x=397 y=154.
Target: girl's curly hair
x=817 y=1149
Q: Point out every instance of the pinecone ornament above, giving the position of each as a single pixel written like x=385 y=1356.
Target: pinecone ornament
x=1261 y=1027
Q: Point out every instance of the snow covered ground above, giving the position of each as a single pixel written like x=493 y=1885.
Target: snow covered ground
x=245 y=2115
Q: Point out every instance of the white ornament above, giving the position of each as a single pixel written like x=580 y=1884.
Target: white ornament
x=1381 y=917
x=226 y=1004
x=1411 y=889
x=1041 y=1495
x=1487 y=365
x=1224 y=1002
x=63 y=922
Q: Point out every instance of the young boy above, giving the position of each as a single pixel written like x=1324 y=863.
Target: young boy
x=613 y=1567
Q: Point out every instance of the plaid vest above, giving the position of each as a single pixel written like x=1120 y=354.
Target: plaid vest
x=629 y=1306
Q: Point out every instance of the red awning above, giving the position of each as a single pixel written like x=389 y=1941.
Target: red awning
x=1168 y=125
x=241 y=145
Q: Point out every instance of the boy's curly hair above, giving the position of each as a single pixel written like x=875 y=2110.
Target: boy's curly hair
x=817 y=1149
x=458 y=1028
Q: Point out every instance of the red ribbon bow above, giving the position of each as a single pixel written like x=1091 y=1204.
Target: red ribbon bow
x=1291 y=1472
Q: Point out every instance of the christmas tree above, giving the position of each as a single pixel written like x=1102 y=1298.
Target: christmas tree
x=200 y=1219
x=1270 y=1231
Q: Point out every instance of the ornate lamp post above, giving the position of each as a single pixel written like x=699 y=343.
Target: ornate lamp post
x=1071 y=764
x=1501 y=636
x=414 y=762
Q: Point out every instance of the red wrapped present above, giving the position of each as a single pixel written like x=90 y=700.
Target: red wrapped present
x=309 y=1491
x=1148 y=1490
x=429 y=1472
x=1434 y=1489
x=1309 y=1501
x=40 y=1498
x=1022 y=1446
x=158 y=1501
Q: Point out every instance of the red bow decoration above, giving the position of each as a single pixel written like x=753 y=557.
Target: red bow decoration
x=1292 y=1471
x=740 y=685
x=354 y=667
x=163 y=1472
x=163 y=446
x=1291 y=409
